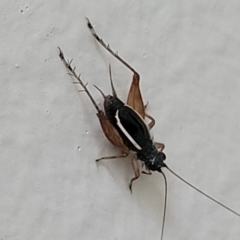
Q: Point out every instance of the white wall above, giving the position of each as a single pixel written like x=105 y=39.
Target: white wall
x=187 y=53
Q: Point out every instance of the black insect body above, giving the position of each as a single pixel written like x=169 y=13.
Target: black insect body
x=137 y=138
x=124 y=126
x=134 y=132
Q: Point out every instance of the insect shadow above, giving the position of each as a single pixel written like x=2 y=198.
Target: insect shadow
x=124 y=126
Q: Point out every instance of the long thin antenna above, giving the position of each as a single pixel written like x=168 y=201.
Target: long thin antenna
x=198 y=190
x=73 y=73
x=107 y=47
x=165 y=205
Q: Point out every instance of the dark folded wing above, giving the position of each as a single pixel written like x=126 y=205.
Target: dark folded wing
x=133 y=128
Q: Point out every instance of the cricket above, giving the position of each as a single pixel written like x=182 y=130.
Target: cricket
x=124 y=126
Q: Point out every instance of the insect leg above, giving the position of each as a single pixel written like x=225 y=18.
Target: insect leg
x=73 y=73
x=160 y=146
x=107 y=47
x=136 y=171
x=147 y=173
x=123 y=155
x=109 y=130
x=152 y=123
x=134 y=96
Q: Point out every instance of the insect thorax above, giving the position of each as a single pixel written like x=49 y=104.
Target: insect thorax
x=152 y=158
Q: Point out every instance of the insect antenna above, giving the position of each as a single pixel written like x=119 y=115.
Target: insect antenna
x=165 y=205
x=74 y=74
x=107 y=47
x=198 y=190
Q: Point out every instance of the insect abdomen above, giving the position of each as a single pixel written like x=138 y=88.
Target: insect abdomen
x=132 y=128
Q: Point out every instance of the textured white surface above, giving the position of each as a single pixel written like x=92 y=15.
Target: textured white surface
x=187 y=53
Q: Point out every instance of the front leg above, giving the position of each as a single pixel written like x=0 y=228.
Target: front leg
x=136 y=171
x=147 y=173
x=159 y=146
